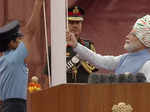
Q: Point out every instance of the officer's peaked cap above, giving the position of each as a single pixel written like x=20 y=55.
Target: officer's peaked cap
x=75 y=13
x=10 y=31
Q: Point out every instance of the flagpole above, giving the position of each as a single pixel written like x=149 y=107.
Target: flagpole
x=67 y=28
x=58 y=42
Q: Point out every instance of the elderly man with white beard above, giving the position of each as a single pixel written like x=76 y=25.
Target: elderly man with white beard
x=137 y=45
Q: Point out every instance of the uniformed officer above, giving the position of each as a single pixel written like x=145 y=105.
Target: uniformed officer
x=13 y=68
x=13 y=71
x=77 y=70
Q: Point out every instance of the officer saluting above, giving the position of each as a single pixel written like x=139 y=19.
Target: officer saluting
x=77 y=70
x=13 y=71
x=7 y=33
x=13 y=68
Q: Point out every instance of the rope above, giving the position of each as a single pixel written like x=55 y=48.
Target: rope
x=46 y=39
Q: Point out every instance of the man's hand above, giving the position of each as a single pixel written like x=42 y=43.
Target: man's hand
x=71 y=39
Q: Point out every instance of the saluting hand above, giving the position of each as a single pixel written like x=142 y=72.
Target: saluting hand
x=71 y=39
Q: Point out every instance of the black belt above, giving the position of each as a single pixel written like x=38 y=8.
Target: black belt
x=14 y=100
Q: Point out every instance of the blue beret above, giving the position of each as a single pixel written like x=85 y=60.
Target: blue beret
x=10 y=31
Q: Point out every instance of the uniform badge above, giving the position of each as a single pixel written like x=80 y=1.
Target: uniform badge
x=75 y=59
x=75 y=10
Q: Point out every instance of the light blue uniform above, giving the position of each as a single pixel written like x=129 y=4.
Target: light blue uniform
x=14 y=73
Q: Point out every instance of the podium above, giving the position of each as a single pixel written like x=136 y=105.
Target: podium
x=91 y=97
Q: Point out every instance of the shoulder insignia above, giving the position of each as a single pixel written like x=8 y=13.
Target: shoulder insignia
x=92 y=48
x=89 y=68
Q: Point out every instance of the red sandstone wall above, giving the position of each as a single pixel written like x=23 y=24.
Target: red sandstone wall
x=107 y=23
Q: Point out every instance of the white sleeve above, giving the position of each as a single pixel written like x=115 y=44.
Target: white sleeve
x=106 y=62
x=146 y=70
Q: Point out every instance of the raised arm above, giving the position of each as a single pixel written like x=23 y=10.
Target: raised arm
x=32 y=28
x=33 y=23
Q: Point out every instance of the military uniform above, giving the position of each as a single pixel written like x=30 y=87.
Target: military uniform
x=77 y=70
x=80 y=70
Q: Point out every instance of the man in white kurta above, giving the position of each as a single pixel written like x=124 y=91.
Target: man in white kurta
x=136 y=60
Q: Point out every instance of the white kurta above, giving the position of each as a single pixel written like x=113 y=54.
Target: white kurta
x=106 y=62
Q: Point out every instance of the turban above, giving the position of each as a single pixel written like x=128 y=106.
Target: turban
x=142 y=30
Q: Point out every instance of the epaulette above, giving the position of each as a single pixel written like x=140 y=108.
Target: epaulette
x=89 y=44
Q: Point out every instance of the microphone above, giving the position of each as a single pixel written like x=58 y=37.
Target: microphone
x=126 y=78
x=93 y=79
x=130 y=78
x=140 y=77
x=112 y=78
x=122 y=78
x=103 y=78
